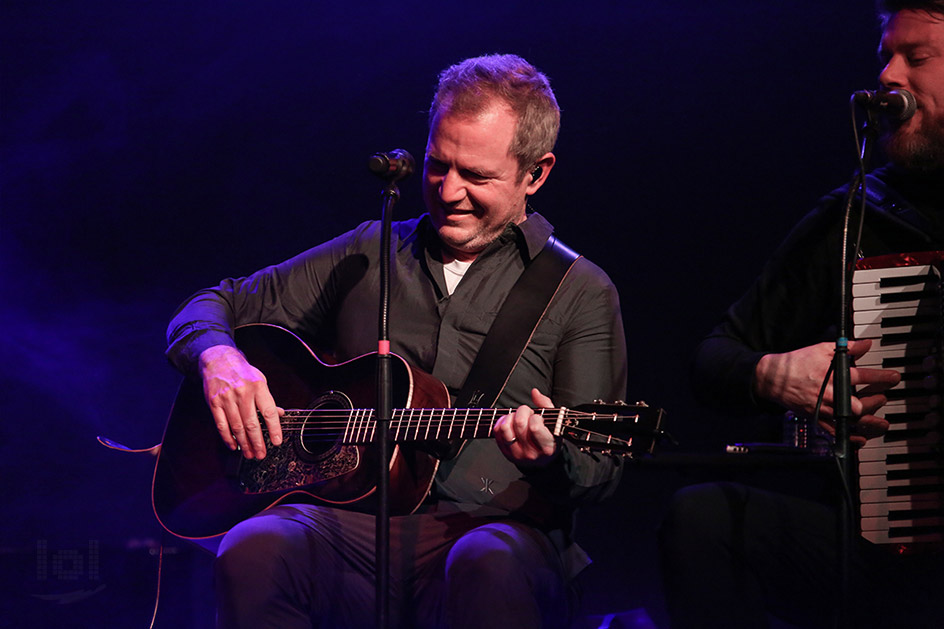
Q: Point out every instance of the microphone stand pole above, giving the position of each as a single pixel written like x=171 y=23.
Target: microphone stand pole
x=842 y=386
x=391 y=167
x=384 y=414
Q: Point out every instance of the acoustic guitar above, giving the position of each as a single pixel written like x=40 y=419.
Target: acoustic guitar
x=202 y=489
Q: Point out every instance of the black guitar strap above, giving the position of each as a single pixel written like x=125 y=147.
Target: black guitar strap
x=515 y=324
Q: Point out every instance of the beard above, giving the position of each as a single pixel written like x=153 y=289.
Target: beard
x=919 y=148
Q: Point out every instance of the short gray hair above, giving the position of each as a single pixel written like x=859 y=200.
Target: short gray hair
x=470 y=86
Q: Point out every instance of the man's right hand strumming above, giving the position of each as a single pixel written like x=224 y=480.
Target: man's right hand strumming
x=237 y=393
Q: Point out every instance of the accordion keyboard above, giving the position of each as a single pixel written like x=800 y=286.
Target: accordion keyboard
x=901 y=474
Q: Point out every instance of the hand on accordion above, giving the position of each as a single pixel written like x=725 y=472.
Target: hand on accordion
x=793 y=380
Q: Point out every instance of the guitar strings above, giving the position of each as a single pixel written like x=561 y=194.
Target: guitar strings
x=357 y=417
x=358 y=426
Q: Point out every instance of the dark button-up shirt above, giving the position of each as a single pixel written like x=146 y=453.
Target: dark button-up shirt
x=795 y=301
x=329 y=295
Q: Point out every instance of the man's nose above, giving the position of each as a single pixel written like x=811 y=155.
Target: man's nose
x=451 y=187
x=893 y=74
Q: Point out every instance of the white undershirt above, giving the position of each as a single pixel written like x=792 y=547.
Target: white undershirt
x=454 y=271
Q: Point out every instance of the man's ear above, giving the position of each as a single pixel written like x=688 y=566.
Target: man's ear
x=538 y=175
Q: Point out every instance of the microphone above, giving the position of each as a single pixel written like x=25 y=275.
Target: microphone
x=393 y=166
x=897 y=104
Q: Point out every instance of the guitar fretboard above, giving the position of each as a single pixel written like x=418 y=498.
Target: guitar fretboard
x=359 y=426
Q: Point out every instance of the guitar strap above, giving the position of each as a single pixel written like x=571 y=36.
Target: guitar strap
x=515 y=324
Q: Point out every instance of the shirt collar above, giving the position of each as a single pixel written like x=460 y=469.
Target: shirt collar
x=536 y=230
x=533 y=232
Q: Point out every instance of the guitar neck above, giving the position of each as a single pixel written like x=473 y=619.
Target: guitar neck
x=359 y=426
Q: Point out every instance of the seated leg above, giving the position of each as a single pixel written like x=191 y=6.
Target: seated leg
x=505 y=575
x=732 y=553
x=296 y=566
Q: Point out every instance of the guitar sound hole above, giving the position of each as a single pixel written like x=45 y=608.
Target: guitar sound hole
x=321 y=429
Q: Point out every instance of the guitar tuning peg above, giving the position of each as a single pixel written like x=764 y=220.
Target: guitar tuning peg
x=598 y=401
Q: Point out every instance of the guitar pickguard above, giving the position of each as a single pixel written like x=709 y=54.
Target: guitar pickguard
x=310 y=454
x=283 y=469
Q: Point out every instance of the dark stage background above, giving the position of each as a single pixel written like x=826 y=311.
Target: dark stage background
x=153 y=148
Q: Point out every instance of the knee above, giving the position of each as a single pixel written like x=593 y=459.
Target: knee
x=699 y=515
x=488 y=552
x=514 y=568
x=496 y=554
x=258 y=547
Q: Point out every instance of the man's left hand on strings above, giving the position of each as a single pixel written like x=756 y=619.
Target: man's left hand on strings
x=522 y=436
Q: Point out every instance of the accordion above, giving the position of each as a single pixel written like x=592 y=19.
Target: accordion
x=896 y=302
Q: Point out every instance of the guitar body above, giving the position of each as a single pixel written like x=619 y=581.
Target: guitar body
x=202 y=489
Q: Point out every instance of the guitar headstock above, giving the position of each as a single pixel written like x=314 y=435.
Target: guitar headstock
x=618 y=427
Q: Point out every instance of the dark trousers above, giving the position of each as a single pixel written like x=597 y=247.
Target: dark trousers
x=308 y=566
x=731 y=554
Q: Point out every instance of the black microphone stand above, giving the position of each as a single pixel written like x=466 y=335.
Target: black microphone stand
x=842 y=386
x=384 y=414
x=390 y=195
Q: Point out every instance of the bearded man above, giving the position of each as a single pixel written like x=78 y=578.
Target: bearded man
x=733 y=554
